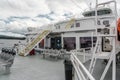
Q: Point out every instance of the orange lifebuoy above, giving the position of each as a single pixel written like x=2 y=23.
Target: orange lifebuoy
x=118 y=25
x=118 y=29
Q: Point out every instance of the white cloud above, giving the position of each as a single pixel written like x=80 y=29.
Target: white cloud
x=22 y=7
x=62 y=6
x=2 y=26
x=14 y=11
x=31 y=9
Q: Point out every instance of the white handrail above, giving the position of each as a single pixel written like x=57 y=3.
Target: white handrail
x=112 y=1
x=80 y=69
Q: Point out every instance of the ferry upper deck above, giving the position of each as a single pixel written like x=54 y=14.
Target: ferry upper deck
x=88 y=43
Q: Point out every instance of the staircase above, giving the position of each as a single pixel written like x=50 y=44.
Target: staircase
x=70 y=23
x=31 y=45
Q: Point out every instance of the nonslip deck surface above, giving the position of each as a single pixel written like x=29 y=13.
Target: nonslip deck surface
x=35 y=68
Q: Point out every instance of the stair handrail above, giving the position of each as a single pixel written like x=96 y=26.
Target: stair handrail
x=30 y=45
x=80 y=69
x=41 y=30
x=35 y=38
x=70 y=23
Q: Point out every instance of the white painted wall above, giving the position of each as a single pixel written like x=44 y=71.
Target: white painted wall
x=86 y=23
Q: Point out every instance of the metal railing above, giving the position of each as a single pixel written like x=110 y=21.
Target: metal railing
x=80 y=69
x=30 y=46
x=70 y=23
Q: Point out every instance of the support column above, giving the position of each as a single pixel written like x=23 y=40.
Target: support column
x=114 y=62
x=62 y=40
x=45 y=43
x=77 y=43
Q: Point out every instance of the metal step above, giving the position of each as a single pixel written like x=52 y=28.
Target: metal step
x=31 y=45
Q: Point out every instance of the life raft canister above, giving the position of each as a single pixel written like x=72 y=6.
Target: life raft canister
x=118 y=29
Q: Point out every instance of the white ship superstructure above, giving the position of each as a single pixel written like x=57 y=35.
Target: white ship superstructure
x=87 y=39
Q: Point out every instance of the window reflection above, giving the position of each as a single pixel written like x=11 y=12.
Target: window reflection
x=86 y=42
x=69 y=43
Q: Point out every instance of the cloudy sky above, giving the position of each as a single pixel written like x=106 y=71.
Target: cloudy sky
x=17 y=15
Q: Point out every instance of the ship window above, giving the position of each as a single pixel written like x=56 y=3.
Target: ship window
x=98 y=23
x=41 y=44
x=58 y=27
x=99 y=12
x=106 y=23
x=72 y=25
x=69 y=43
x=77 y=24
x=85 y=42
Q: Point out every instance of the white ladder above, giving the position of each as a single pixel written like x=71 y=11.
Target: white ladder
x=99 y=54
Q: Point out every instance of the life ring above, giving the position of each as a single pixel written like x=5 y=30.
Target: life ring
x=118 y=25
x=118 y=29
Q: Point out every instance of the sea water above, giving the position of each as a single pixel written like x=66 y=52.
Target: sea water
x=6 y=43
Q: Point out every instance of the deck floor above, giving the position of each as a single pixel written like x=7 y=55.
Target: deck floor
x=99 y=68
x=35 y=68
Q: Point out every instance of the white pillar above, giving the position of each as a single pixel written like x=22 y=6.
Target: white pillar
x=45 y=43
x=62 y=40
x=114 y=62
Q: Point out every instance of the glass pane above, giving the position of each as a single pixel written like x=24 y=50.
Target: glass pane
x=69 y=43
x=77 y=24
x=85 y=42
